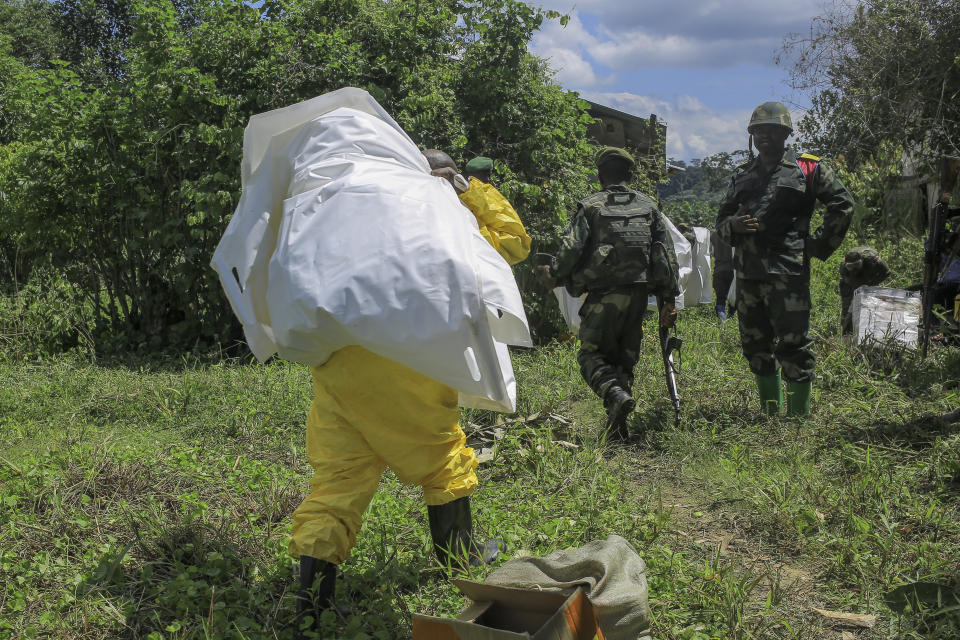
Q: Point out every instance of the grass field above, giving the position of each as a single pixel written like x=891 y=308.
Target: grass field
x=152 y=500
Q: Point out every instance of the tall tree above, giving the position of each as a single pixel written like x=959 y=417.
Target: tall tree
x=121 y=161
x=881 y=70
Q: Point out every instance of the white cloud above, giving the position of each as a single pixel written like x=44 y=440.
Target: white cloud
x=626 y=34
x=699 y=18
x=565 y=50
x=722 y=53
x=637 y=49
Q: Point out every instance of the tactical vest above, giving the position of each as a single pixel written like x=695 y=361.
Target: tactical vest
x=620 y=240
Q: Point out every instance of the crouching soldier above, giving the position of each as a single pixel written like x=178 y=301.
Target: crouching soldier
x=617 y=250
x=861 y=267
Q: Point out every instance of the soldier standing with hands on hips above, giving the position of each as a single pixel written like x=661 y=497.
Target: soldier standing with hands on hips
x=765 y=217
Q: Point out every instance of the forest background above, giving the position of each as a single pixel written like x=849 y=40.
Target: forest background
x=121 y=126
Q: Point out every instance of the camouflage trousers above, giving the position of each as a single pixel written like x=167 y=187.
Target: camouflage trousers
x=775 y=325
x=721 y=285
x=611 y=330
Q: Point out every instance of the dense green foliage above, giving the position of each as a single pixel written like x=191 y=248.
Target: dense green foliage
x=702 y=179
x=881 y=71
x=154 y=500
x=692 y=196
x=120 y=140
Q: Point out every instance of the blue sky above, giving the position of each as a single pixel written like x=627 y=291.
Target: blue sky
x=701 y=65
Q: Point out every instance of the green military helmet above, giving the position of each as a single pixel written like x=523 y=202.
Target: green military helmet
x=615 y=153
x=771 y=113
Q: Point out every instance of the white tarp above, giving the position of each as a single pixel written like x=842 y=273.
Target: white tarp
x=880 y=313
x=569 y=307
x=342 y=237
x=695 y=278
x=681 y=246
x=699 y=286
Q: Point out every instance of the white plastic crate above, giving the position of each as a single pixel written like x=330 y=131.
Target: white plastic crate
x=880 y=314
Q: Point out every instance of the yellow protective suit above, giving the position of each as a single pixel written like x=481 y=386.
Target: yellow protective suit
x=369 y=413
x=499 y=222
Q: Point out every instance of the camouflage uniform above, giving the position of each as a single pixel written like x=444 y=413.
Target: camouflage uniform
x=772 y=265
x=722 y=269
x=861 y=267
x=616 y=274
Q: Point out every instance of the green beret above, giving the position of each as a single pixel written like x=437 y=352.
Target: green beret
x=479 y=164
x=615 y=153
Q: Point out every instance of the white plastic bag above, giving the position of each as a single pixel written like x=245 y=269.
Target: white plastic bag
x=702 y=270
x=342 y=237
x=569 y=308
x=684 y=253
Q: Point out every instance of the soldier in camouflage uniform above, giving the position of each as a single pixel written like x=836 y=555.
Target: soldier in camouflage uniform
x=765 y=217
x=861 y=267
x=617 y=250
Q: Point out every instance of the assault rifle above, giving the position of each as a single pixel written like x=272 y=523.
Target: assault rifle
x=949 y=166
x=668 y=344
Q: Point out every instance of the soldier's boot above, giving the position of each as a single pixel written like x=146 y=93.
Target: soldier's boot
x=318 y=579
x=619 y=404
x=451 y=528
x=771 y=395
x=950 y=418
x=798 y=399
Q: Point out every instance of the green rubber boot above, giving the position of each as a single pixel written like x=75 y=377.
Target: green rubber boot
x=798 y=399
x=771 y=396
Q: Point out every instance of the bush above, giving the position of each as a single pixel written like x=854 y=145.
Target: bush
x=43 y=318
x=124 y=175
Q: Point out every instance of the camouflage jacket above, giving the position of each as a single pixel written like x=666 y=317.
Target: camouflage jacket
x=722 y=253
x=863 y=266
x=617 y=238
x=783 y=201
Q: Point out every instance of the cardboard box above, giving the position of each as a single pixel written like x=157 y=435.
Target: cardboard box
x=505 y=613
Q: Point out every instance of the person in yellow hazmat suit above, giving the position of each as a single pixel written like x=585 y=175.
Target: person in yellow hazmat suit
x=499 y=222
x=370 y=413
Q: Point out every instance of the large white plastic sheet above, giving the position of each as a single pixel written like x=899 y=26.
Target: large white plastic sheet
x=684 y=252
x=699 y=287
x=690 y=274
x=342 y=237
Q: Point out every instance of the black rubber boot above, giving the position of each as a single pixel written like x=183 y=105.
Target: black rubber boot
x=619 y=404
x=951 y=418
x=451 y=527
x=318 y=579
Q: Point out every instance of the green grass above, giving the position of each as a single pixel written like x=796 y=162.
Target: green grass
x=154 y=500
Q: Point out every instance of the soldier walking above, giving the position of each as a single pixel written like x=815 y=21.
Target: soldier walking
x=617 y=250
x=765 y=217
